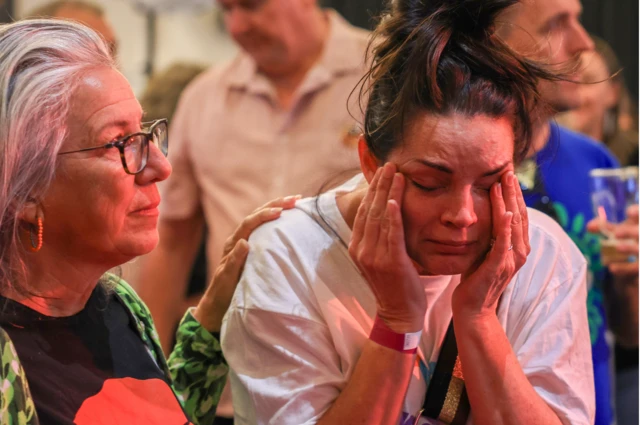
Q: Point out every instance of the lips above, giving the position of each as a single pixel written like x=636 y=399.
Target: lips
x=146 y=209
x=448 y=247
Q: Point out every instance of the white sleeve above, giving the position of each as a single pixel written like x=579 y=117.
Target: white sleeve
x=284 y=367
x=555 y=350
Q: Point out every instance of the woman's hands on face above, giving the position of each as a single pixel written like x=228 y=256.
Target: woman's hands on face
x=479 y=291
x=378 y=248
x=216 y=299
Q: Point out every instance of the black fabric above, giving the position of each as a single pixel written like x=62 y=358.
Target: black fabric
x=198 y=278
x=439 y=385
x=219 y=420
x=626 y=358
x=88 y=366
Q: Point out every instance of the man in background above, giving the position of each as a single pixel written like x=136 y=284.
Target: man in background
x=272 y=122
x=557 y=178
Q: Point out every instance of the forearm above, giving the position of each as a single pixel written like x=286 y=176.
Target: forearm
x=621 y=297
x=498 y=390
x=375 y=393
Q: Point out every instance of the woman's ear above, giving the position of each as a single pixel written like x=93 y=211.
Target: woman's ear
x=30 y=212
x=368 y=162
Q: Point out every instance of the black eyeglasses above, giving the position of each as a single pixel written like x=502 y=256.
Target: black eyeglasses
x=134 y=148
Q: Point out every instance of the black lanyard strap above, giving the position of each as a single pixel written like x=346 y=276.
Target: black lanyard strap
x=446 y=398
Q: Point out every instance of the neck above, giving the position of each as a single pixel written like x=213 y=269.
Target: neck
x=349 y=202
x=540 y=136
x=595 y=130
x=57 y=287
x=287 y=82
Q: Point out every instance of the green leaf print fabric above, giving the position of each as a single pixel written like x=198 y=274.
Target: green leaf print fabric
x=196 y=368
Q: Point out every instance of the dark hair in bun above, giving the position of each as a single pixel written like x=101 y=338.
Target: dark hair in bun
x=443 y=57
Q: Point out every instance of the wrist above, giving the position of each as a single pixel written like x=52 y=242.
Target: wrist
x=211 y=322
x=404 y=342
x=480 y=322
x=402 y=323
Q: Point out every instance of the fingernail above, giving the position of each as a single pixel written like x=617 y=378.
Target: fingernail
x=515 y=181
x=290 y=198
x=509 y=179
x=499 y=190
x=275 y=210
x=298 y=197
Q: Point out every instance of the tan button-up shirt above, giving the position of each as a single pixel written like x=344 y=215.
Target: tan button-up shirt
x=233 y=148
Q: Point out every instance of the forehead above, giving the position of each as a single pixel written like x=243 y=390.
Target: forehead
x=538 y=12
x=103 y=96
x=460 y=141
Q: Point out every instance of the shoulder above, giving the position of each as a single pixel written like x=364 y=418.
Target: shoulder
x=11 y=368
x=15 y=396
x=128 y=296
x=550 y=244
x=555 y=265
x=120 y=286
x=299 y=230
x=281 y=270
x=7 y=350
x=358 y=35
x=588 y=148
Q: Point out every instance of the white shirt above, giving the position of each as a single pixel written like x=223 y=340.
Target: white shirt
x=302 y=313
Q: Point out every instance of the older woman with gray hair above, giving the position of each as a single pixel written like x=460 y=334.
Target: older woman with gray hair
x=78 y=196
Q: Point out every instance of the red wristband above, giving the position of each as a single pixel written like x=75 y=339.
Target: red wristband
x=405 y=343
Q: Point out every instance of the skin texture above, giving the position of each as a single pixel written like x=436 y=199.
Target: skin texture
x=93 y=200
x=272 y=31
x=597 y=99
x=550 y=30
x=446 y=199
x=393 y=227
x=284 y=37
x=96 y=216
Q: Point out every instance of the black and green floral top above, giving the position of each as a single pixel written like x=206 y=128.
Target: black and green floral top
x=108 y=351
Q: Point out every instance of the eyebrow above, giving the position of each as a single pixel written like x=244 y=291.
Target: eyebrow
x=448 y=170
x=114 y=123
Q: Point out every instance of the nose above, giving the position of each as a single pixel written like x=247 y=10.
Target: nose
x=460 y=211
x=578 y=39
x=237 y=21
x=158 y=167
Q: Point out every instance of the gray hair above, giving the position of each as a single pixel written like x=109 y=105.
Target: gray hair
x=41 y=62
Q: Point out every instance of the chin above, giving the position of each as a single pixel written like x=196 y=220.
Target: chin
x=143 y=244
x=445 y=265
x=564 y=99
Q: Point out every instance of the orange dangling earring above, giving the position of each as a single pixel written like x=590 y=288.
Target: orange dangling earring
x=36 y=244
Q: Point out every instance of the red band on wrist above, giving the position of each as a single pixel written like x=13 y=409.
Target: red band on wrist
x=405 y=343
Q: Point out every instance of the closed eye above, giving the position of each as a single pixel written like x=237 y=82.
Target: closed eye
x=425 y=188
